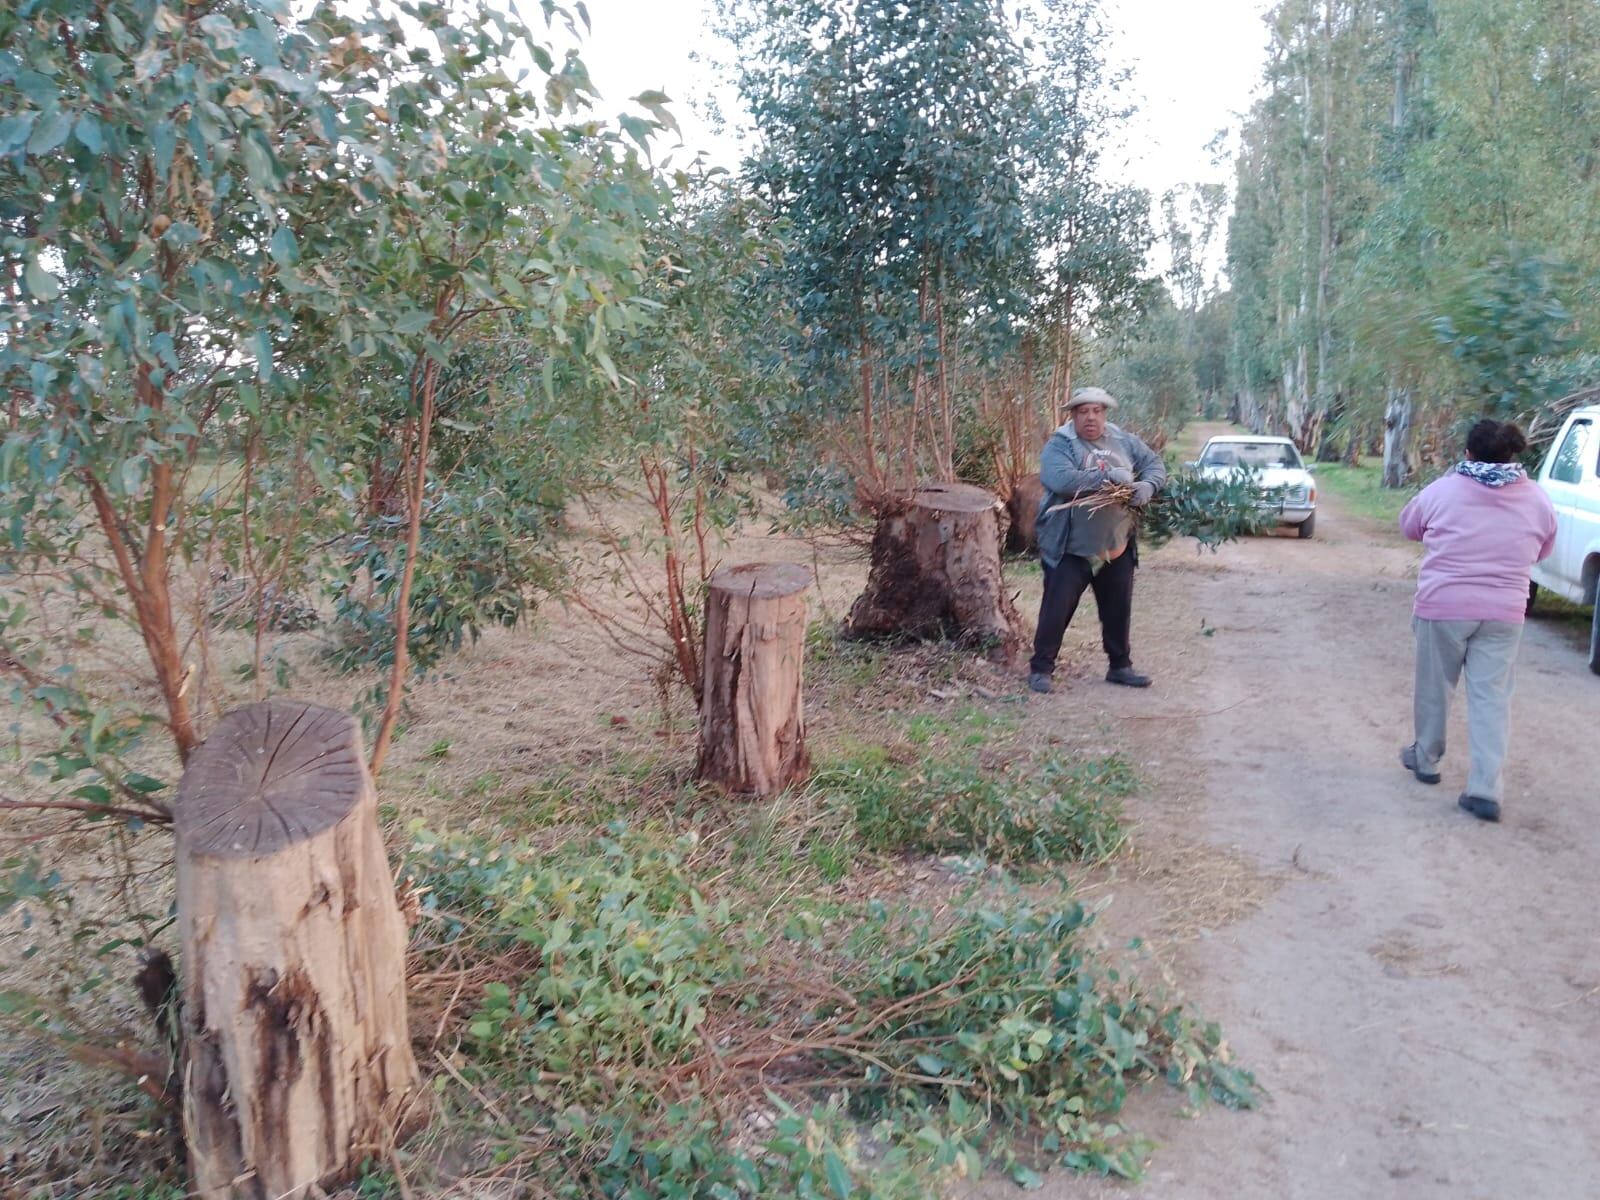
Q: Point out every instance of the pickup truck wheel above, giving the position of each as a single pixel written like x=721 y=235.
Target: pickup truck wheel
x=1307 y=527
x=1594 y=638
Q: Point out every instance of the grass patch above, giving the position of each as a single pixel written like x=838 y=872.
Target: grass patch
x=1361 y=490
x=650 y=1034
x=1031 y=811
x=1572 y=621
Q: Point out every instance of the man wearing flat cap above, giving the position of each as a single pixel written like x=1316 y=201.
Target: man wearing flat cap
x=1084 y=544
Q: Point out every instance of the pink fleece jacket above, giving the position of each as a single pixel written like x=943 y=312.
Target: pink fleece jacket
x=1480 y=542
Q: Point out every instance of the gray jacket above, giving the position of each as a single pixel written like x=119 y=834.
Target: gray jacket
x=1061 y=470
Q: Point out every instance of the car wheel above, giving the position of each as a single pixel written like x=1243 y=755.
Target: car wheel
x=1594 y=638
x=1533 y=594
x=1307 y=527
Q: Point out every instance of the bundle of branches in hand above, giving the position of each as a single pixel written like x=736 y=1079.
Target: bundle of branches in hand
x=1212 y=511
x=1107 y=495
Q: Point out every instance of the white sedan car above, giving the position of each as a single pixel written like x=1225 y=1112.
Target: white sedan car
x=1283 y=477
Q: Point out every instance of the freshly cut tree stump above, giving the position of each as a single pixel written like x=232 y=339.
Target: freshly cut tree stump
x=752 y=721
x=936 y=572
x=1023 y=509
x=298 y=1063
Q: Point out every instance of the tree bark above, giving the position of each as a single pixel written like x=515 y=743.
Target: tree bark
x=1023 y=509
x=1397 y=438
x=752 y=717
x=298 y=1063
x=936 y=573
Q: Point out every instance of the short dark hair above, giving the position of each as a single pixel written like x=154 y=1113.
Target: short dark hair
x=1493 y=441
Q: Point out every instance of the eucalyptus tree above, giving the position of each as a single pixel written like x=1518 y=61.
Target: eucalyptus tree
x=707 y=390
x=1092 y=233
x=242 y=250
x=889 y=140
x=228 y=228
x=1415 y=175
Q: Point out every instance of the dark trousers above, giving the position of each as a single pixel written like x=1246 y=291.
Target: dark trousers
x=1113 y=594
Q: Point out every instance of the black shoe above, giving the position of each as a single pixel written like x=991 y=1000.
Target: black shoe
x=1038 y=681
x=1408 y=760
x=1127 y=677
x=1481 y=807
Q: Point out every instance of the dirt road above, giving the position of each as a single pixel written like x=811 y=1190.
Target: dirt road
x=1419 y=992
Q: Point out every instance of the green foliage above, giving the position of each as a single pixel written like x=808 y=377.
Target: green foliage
x=634 y=966
x=254 y=277
x=478 y=559
x=936 y=168
x=1025 y=812
x=1032 y=1029
x=1407 y=182
x=148 y=1191
x=1152 y=371
x=639 y=991
x=1505 y=330
x=886 y=133
x=1210 y=510
x=253 y=258
x=1092 y=235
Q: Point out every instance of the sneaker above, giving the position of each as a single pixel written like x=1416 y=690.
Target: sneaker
x=1481 y=807
x=1038 y=681
x=1408 y=760
x=1127 y=677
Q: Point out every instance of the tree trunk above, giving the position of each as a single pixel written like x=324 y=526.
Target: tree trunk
x=1023 y=509
x=752 y=720
x=298 y=1063
x=1397 y=438
x=936 y=573
x=1324 y=389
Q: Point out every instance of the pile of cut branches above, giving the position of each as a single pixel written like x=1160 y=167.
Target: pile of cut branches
x=660 y=1035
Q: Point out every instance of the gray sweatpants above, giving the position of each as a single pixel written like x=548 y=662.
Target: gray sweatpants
x=1488 y=652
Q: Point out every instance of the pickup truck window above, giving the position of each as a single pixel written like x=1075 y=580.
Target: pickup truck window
x=1568 y=465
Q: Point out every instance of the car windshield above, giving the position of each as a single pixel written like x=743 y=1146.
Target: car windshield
x=1256 y=455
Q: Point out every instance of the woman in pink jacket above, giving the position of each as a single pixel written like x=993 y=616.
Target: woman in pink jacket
x=1482 y=528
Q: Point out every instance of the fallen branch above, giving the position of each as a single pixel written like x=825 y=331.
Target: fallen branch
x=155 y=816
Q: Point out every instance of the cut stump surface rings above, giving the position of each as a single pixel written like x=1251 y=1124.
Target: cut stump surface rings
x=752 y=718
x=298 y=1063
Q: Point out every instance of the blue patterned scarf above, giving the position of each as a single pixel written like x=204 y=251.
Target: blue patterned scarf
x=1493 y=475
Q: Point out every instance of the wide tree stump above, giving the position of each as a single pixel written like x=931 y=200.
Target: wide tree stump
x=752 y=720
x=936 y=573
x=298 y=1064
x=1022 y=533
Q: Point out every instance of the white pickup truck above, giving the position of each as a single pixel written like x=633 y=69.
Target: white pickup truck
x=1571 y=477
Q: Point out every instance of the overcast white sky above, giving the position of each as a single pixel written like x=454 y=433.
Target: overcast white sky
x=1195 y=64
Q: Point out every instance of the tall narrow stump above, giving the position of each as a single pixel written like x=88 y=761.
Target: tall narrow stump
x=936 y=572
x=298 y=1064
x=752 y=721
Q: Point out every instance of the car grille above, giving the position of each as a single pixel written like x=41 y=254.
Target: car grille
x=1286 y=497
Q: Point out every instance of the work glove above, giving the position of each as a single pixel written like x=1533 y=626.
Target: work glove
x=1143 y=492
x=1119 y=475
